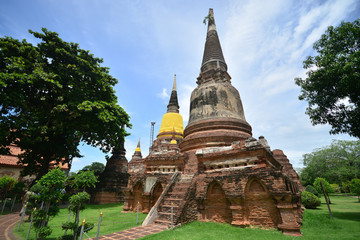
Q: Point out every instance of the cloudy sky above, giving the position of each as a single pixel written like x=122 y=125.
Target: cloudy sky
x=144 y=43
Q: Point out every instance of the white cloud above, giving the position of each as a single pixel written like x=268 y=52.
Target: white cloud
x=163 y=94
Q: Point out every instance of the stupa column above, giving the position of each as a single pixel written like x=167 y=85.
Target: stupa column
x=216 y=113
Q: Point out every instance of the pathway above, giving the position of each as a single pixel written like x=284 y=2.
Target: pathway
x=135 y=232
x=7 y=222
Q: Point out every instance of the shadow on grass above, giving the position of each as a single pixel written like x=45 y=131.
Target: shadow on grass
x=103 y=206
x=353 y=216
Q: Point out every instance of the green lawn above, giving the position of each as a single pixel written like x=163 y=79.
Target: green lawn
x=316 y=224
x=112 y=221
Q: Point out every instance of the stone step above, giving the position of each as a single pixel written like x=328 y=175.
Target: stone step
x=166 y=216
x=176 y=195
x=182 y=188
x=179 y=183
x=168 y=209
x=175 y=201
x=162 y=222
x=169 y=206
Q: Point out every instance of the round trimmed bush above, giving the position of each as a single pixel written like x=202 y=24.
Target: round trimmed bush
x=311 y=189
x=309 y=200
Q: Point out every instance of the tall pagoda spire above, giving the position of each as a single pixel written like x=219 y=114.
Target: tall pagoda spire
x=173 y=105
x=216 y=113
x=213 y=57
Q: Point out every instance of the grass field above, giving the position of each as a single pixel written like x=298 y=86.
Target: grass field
x=316 y=224
x=112 y=221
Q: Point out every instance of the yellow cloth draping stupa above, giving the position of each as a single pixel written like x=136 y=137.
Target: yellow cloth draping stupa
x=172 y=121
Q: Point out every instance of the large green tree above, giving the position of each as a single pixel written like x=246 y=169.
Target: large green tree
x=53 y=96
x=97 y=167
x=332 y=86
x=337 y=163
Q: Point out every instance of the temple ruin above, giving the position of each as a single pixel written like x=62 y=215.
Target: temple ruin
x=213 y=170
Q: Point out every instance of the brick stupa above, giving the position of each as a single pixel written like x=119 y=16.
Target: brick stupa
x=113 y=180
x=214 y=170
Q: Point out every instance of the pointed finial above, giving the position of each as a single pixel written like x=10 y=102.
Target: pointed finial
x=138 y=149
x=210 y=20
x=174 y=84
x=173 y=105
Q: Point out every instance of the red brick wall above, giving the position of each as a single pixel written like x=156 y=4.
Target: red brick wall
x=217 y=207
x=260 y=206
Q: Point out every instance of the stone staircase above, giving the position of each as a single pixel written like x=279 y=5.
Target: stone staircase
x=175 y=197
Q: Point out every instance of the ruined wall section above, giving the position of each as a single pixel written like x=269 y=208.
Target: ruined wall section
x=288 y=168
x=148 y=183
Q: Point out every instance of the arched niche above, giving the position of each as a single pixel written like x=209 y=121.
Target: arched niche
x=156 y=192
x=260 y=207
x=138 y=196
x=216 y=206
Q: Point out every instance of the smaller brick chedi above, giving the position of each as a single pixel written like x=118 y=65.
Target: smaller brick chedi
x=113 y=180
x=214 y=170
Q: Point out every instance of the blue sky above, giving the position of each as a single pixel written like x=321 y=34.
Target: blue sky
x=144 y=43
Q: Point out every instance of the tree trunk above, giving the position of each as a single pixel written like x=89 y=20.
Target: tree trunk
x=76 y=222
x=44 y=222
x=328 y=198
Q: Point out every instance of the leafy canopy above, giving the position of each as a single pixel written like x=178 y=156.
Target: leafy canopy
x=327 y=187
x=337 y=163
x=50 y=187
x=355 y=187
x=83 y=180
x=332 y=86
x=53 y=96
x=310 y=200
x=97 y=167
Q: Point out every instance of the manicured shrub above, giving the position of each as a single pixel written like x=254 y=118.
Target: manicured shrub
x=336 y=187
x=311 y=189
x=326 y=184
x=355 y=187
x=345 y=186
x=309 y=200
x=328 y=189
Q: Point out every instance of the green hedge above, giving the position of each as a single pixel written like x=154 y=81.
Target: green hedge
x=309 y=200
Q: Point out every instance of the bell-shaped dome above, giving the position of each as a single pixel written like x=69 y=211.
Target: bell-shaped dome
x=172 y=120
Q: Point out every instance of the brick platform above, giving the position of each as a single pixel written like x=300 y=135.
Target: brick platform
x=135 y=232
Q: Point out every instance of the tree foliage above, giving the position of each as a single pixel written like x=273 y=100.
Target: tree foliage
x=80 y=181
x=327 y=187
x=310 y=200
x=337 y=163
x=83 y=180
x=312 y=190
x=6 y=185
x=48 y=190
x=332 y=86
x=53 y=96
x=355 y=187
x=97 y=167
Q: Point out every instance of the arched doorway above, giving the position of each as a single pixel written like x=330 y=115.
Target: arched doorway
x=138 y=192
x=217 y=207
x=158 y=189
x=260 y=206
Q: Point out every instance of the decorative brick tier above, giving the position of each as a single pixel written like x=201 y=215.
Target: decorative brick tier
x=215 y=132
